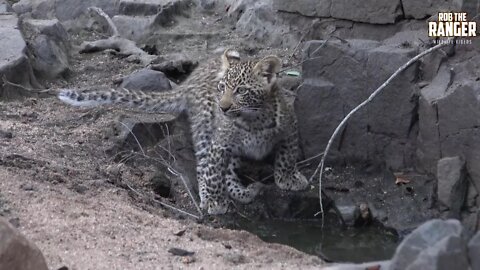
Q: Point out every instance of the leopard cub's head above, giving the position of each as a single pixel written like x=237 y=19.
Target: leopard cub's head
x=245 y=86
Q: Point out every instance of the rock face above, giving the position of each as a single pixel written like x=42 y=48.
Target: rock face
x=14 y=64
x=452 y=183
x=338 y=77
x=16 y=252
x=435 y=245
x=372 y=11
x=311 y=8
x=449 y=117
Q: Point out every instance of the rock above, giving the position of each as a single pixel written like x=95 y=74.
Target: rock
x=70 y=9
x=372 y=11
x=340 y=76
x=436 y=244
x=207 y=4
x=350 y=214
x=423 y=9
x=133 y=27
x=452 y=183
x=448 y=253
x=139 y=8
x=449 y=118
x=63 y=10
x=146 y=80
x=5 y=7
x=166 y=16
x=49 y=47
x=16 y=252
x=312 y=8
x=14 y=64
x=474 y=251
x=260 y=23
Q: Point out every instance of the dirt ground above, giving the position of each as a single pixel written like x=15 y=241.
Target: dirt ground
x=54 y=188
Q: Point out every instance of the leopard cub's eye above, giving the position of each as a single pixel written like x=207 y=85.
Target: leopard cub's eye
x=241 y=90
x=221 y=86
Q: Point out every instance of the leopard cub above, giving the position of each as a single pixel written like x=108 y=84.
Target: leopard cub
x=236 y=109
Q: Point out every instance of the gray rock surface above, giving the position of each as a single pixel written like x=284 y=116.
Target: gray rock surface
x=14 y=64
x=350 y=214
x=63 y=10
x=143 y=8
x=422 y=9
x=49 y=47
x=311 y=8
x=5 y=7
x=474 y=251
x=260 y=24
x=452 y=183
x=437 y=244
x=16 y=252
x=372 y=11
x=338 y=77
x=146 y=80
x=449 y=117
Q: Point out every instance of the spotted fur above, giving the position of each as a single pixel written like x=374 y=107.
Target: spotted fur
x=236 y=110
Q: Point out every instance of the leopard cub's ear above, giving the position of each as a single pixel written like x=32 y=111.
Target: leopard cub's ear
x=229 y=57
x=268 y=68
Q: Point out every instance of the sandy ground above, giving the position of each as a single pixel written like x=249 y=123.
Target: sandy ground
x=55 y=189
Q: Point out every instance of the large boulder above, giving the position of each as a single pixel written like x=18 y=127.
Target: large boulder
x=261 y=24
x=49 y=47
x=452 y=184
x=339 y=76
x=14 y=65
x=16 y=252
x=436 y=245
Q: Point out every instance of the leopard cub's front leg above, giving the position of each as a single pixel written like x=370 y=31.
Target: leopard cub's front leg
x=285 y=173
x=211 y=183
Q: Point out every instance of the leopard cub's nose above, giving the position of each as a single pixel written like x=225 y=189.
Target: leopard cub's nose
x=225 y=108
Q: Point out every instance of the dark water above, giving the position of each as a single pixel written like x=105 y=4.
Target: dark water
x=371 y=243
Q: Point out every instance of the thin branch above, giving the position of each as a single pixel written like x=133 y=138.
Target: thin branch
x=169 y=168
x=39 y=91
x=344 y=121
x=164 y=204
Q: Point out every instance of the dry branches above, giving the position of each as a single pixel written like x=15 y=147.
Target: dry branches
x=121 y=45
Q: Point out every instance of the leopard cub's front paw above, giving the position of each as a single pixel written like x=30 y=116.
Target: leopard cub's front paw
x=217 y=207
x=300 y=182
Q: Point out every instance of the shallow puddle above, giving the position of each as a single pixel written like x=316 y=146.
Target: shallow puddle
x=371 y=243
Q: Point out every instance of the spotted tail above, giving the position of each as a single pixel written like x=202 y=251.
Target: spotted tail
x=167 y=102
